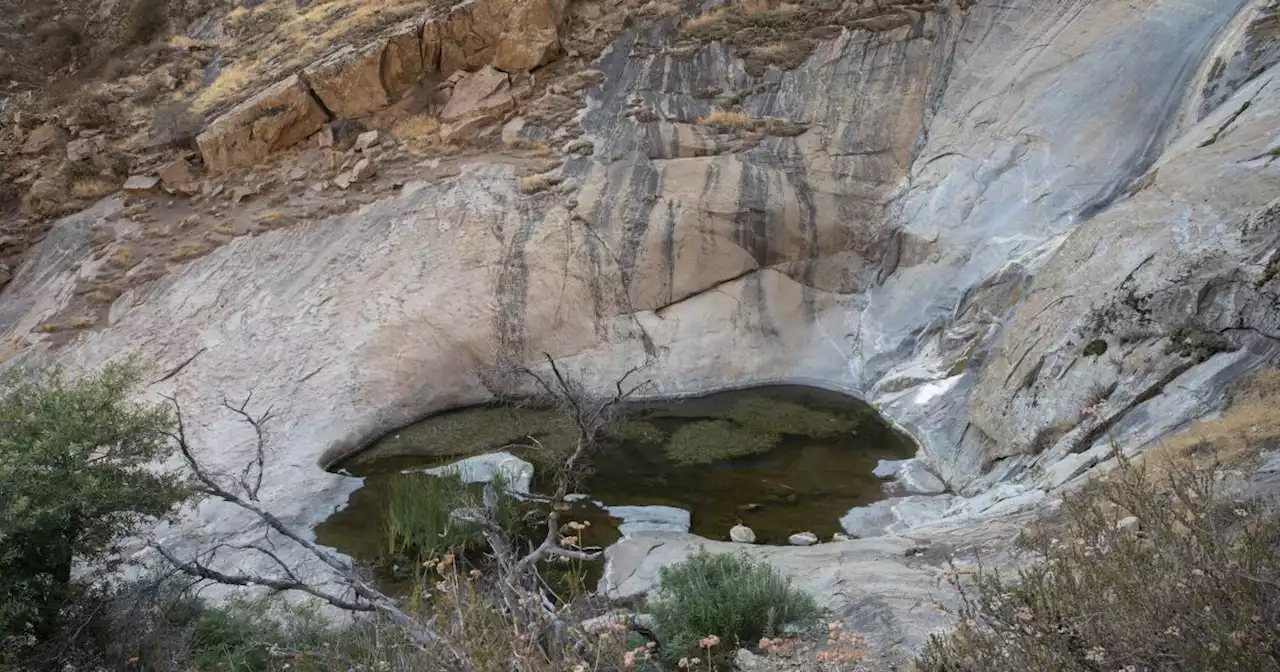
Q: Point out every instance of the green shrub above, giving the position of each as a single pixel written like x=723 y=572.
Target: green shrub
x=1197 y=588
x=732 y=596
x=418 y=507
x=73 y=483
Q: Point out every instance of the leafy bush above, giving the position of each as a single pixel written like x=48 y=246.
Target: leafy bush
x=1197 y=588
x=73 y=483
x=418 y=507
x=731 y=596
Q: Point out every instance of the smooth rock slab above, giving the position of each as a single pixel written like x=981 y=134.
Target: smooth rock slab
x=894 y=515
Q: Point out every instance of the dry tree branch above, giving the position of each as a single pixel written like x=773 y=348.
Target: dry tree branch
x=368 y=598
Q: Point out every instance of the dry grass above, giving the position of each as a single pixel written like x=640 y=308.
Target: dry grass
x=724 y=119
x=82 y=322
x=420 y=134
x=417 y=128
x=188 y=251
x=705 y=20
x=1232 y=440
x=123 y=258
x=1189 y=582
x=532 y=184
x=93 y=187
x=228 y=229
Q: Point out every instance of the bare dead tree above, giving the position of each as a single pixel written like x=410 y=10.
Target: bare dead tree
x=517 y=583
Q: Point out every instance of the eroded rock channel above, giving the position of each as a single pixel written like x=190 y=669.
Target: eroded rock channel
x=781 y=460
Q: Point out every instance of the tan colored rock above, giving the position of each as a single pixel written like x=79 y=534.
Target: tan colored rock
x=467 y=129
x=364 y=169
x=43 y=138
x=349 y=81
x=485 y=91
x=178 y=175
x=277 y=117
x=366 y=140
x=324 y=139
x=467 y=37
x=80 y=150
x=532 y=37
x=403 y=66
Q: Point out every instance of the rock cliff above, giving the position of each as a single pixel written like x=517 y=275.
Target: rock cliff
x=1024 y=229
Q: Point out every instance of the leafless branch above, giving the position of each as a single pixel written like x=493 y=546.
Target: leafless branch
x=367 y=599
x=257 y=464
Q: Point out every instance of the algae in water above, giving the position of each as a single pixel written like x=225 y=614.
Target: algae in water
x=715 y=441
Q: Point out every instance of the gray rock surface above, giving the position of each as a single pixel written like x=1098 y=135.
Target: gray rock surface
x=970 y=201
x=650 y=519
x=915 y=477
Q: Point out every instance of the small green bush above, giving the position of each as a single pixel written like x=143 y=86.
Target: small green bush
x=418 y=507
x=732 y=596
x=1197 y=588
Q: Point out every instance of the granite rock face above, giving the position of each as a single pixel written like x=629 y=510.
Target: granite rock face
x=1023 y=229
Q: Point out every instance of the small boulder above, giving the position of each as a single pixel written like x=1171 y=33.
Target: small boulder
x=141 y=183
x=343 y=180
x=178 y=175
x=364 y=169
x=746 y=661
x=80 y=150
x=803 y=539
x=511 y=131
x=467 y=129
x=484 y=91
x=1129 y=525
x=43 y=138
x=742 y=534
x=366 y=140
x=324 y=139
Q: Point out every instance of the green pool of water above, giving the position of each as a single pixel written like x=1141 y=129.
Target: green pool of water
x=779 y=459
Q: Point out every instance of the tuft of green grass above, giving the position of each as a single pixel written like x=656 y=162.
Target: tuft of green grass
x=417 y=516
x=732 y=596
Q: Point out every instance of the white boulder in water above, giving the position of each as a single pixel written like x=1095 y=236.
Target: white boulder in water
x=482 y=468
x=648 y=519
x=803 y=539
